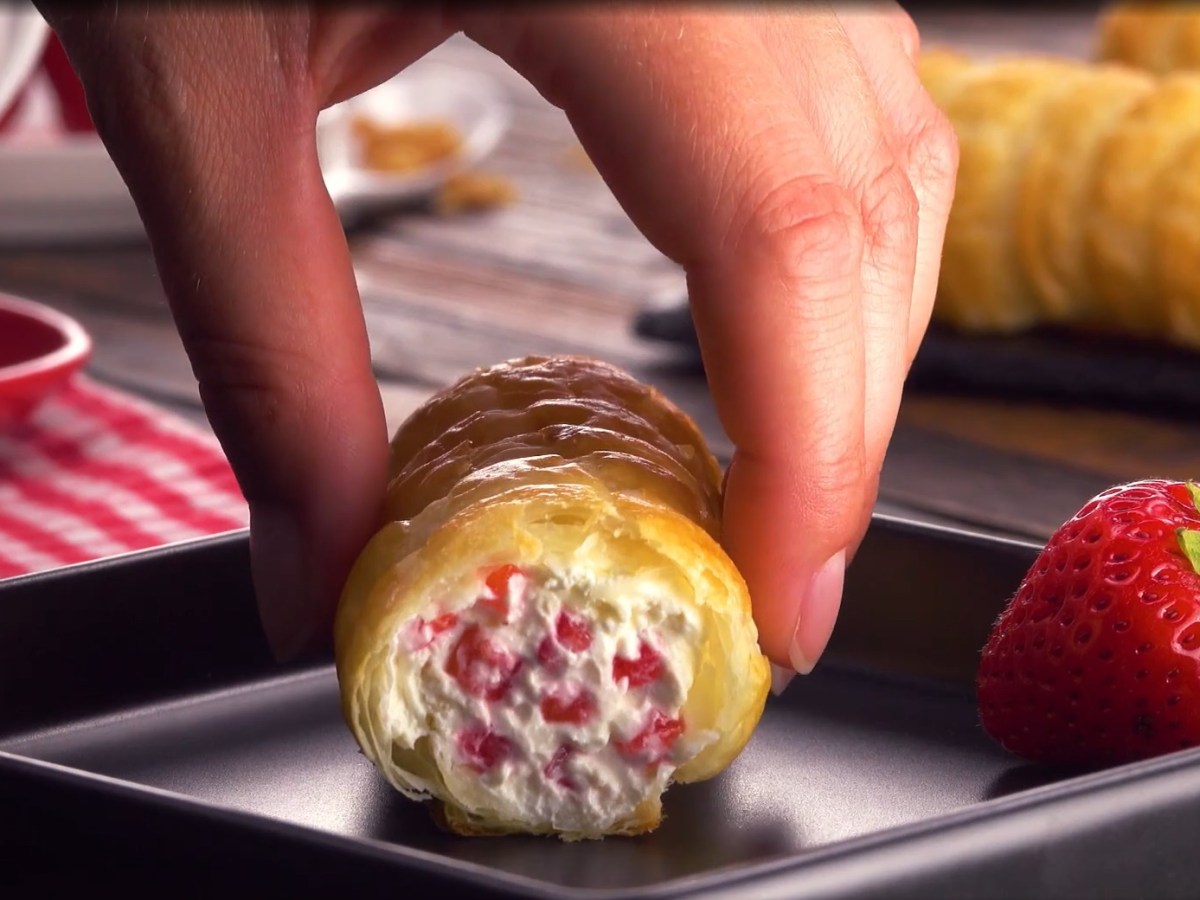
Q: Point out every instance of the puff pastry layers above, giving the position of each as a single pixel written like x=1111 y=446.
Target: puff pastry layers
x=1076 y=202
x=547 y=633
x=1158 y=37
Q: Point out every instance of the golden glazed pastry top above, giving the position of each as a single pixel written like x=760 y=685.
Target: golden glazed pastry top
x=563 y=416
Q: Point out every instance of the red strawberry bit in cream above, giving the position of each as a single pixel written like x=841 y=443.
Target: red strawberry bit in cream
x=482 y=750
x=501 y=584
x=556 y=770
x=481 y=666
x=654 y=742
x=550 y=655
x=574 y=704
x=572 y=632
x=422 y=633
x=644 y=670
x=566 y=693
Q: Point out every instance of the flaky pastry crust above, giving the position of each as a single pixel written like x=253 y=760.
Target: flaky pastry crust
x=561 y=462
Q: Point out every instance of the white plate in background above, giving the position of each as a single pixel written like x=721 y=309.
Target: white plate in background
x=57 y=189
x=472 y=103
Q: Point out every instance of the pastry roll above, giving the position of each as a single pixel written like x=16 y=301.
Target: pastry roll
x=942 y=70
x=994 y=110
x=1055 y=187
x=1075 y=202
x=1119 y=219
x=1176 y=244
x=547 y=634
x=1157 y=37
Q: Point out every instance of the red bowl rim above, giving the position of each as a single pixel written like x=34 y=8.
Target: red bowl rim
x=75 y=348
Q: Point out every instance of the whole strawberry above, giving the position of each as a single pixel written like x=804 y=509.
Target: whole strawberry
x=1096 y=660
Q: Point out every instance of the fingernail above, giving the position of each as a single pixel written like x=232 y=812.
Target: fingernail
x=281 y=585
x=780 y=679
x=818 y=613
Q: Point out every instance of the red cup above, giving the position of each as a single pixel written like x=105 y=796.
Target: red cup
x=40 y=349
x=71 y=102
x=72 y=105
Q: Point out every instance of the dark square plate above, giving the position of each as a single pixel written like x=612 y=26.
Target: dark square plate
x=148 y=740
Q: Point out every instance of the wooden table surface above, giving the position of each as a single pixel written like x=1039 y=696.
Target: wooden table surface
x=564 y=270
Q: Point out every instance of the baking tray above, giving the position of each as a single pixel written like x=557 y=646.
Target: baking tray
x=1044 y=364
x=148 y=741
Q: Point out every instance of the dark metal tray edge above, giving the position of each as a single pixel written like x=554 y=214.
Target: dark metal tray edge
x=888 y=862
x=1071 y=820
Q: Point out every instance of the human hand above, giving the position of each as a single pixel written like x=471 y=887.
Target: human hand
x=788 y=158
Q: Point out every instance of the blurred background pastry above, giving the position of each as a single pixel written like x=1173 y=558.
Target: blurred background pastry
x=1158 y=37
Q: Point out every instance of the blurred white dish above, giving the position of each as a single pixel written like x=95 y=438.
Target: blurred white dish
x=425 y=92
x=62 y=189
x=23 y=34
x=59 y=188
x=65 y=189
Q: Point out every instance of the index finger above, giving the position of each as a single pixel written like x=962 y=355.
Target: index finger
x=216 y=144
x=745 y=197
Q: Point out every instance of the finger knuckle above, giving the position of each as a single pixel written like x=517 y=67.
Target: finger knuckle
x=255 y=395
x=833 y=475
x=812 y=227
x=837 y=480
x=247 y=381
x=932 y=150
x=889 y=206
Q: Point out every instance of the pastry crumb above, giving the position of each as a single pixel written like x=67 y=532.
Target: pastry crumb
x=474 y=191
x=405 y=148
x=577 y=158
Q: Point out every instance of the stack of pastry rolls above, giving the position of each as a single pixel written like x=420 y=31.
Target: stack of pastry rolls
x=1157 y=37
x=1078 y=197
x=547 y=633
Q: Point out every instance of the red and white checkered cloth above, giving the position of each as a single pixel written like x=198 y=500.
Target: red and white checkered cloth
x=95 y=472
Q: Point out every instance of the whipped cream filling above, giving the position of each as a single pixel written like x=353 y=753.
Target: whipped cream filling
x=541 y=708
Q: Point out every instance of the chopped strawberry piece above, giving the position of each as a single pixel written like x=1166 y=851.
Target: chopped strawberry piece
x=570 y=632
x=573 y=706
x=481 y=749
x=639 y=672
x=422 y=633
x=499 y=584
x=654 y=742
x=556 y=769
x=550 y=655
x=499 y=578
x=573 y=632
x=482 y=667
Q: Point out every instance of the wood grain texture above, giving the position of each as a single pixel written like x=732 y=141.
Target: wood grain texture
x=564 y=270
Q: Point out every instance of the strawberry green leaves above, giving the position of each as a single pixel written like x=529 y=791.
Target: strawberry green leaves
x=1189 y=538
